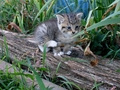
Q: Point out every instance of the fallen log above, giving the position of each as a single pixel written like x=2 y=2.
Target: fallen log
x=11 y=69
x=77 y=70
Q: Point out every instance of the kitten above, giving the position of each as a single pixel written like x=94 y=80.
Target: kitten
x=57 y=32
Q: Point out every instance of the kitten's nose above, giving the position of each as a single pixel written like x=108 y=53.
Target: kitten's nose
x=73 y=32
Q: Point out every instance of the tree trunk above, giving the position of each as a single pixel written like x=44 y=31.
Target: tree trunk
x=77 y=70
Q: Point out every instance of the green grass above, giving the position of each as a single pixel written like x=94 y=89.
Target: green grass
x=22 y=84
x=29 y=13
x=9 y=81
x=26 y=14
x=103 y=40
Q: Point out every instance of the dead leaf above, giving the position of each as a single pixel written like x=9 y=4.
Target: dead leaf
x=109 y=27
x=108 y=11
x=13 y=25
x=88 y=51
x=94 y=62
x=82 y=40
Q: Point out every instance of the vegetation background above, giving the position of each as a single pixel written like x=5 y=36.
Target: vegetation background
x=101 y=21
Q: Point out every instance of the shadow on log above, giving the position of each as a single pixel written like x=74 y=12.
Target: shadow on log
x=77 y=70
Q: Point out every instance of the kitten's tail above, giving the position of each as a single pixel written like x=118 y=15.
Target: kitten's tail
x=32 y=40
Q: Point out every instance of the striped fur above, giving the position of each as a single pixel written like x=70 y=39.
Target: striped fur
x=58 y=30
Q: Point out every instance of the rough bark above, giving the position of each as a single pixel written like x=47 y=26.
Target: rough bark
x=77 y=70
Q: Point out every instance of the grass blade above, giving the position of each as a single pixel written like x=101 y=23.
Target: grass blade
x=39 y=80
x=42 y=9
x=6 y=48
x=44 y=55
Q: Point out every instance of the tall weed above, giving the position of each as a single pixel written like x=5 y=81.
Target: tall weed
x=102 y=26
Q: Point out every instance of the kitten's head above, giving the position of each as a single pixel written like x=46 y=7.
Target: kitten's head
x=69 y=24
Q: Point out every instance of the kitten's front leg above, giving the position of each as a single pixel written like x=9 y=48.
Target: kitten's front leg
x=48 y=44
x=57 y=51
x=67 y=49
x=51 y=43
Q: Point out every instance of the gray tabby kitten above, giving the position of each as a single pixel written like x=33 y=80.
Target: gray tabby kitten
x=58 y=31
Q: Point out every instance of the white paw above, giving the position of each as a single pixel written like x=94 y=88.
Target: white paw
x=68 y=52
x=51 y=43
x=59 y=54
x=55 y=54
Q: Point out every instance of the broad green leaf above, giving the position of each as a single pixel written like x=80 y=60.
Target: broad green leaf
x=103 y=23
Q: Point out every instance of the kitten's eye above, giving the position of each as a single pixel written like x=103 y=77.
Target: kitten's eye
x=69 y=28
x=77 y=27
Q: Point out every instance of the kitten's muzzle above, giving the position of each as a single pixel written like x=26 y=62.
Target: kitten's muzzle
x=73 y=32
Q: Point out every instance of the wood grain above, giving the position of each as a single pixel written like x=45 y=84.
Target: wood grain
x=77 y=70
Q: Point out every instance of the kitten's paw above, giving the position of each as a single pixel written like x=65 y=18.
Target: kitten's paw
x=52 y=43
x=68 y=52
x=59 y=54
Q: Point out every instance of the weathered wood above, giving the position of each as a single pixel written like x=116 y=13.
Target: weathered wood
x=11 y=69
x=78 y=71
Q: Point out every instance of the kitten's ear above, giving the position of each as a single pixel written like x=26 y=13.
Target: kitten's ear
x=79 y=15
x=60 y=18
